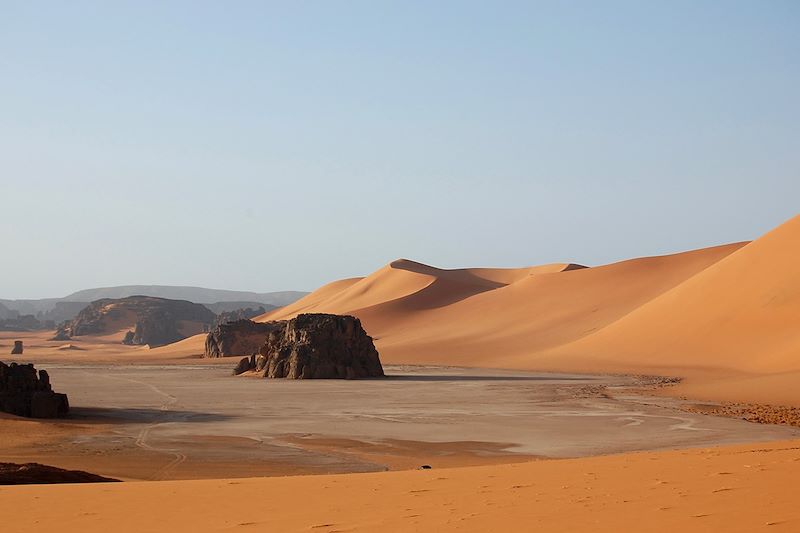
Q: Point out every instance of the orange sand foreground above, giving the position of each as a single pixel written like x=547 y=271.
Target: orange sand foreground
x=741 y=488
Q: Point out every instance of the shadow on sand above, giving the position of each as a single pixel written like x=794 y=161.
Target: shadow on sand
x=111 y=415
x=435 y=377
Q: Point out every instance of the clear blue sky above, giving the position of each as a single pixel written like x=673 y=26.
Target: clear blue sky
x=281 y=145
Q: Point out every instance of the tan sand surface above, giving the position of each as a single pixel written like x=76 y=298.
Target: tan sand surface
x=153 y=422
x=743 y=488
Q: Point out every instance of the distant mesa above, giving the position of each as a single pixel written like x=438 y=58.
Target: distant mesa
x=315 y=346
x=148 y=320
x=24 y=393
x=193 y=294
x=45 y=313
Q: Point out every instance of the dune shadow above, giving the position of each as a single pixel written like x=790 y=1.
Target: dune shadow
x=121 y=415
x=435 y=377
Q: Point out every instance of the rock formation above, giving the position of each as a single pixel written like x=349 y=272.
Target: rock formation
x=242 y=337
x=245 y=365
x=244 y=313
x=318 y=346
x=62 y=333
x=35 y=473
x=155 y=321
x=23 y=393
x=17 y=349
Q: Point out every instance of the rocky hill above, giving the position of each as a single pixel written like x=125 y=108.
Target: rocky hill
x=192 y=294
x=140 y=320
x=218 y=300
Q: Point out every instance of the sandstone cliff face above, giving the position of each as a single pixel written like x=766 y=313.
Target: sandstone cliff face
x=316 y=346
x=154 y=321
x=23 y=393
x=241 y=337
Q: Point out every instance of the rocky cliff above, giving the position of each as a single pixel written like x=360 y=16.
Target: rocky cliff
x=240 y=337
x=153 y=321
x=24 y=393
x=314 y=346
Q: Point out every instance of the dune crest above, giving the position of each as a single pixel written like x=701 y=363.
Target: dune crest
x=492 y=317
x=742 y=313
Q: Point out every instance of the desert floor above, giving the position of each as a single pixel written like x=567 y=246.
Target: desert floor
x=155 y=422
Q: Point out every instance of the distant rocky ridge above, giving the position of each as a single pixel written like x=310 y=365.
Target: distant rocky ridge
x=60 y=309
x=229 y=307
x=315 y=346
x=192 y=294
x=245 y=313
x=155 y=321
x=24 y=393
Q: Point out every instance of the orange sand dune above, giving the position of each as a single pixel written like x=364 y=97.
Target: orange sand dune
x=734 y=489
x=742 y=313
x=485 y=317
x=402 y=278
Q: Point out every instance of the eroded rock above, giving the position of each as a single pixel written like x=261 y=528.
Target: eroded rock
x=17 y=349
x=24 y=393
x=319 y=346
x=241 y=337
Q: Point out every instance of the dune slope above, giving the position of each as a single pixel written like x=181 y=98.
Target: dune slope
x=489 y=317
x=742 y=313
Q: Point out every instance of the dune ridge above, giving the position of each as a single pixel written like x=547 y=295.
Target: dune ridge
x=487 y=317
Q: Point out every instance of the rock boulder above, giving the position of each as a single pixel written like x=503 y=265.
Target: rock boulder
x=314 y=346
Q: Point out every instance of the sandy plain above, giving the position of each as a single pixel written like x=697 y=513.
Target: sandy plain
x=155 y=422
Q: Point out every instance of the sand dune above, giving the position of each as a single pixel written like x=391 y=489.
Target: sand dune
x=735 y=489
x=742 y=313
x=487 y=317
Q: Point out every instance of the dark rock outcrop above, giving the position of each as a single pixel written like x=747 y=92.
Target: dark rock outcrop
x=315 y=346
x=35 y=473
x=242 y=337
x=155 y=321
x=246 y=364
x=245 y=313
x=17 y=349
x=24 y=393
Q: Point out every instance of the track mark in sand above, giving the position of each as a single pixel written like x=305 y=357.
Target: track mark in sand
x=141 y=438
